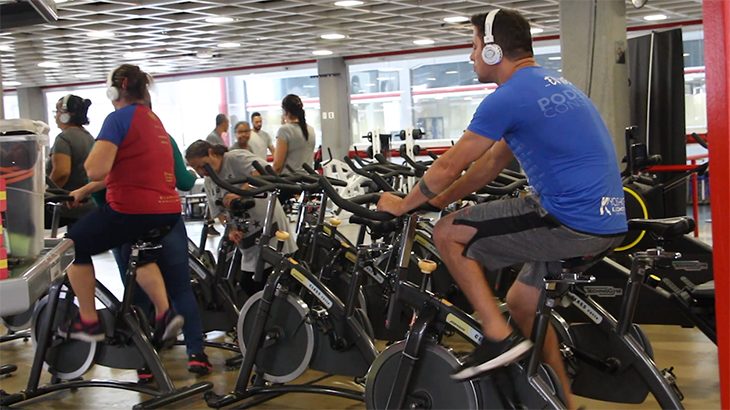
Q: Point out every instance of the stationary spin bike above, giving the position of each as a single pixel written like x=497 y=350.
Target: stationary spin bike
x=126 y=346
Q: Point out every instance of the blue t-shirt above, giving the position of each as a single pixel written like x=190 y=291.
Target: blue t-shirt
x=116 y=125
x=563 y=145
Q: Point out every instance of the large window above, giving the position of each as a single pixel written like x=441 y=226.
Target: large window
x=10 y=106
x=263 y=92
x=440 y=93
x=187 y=108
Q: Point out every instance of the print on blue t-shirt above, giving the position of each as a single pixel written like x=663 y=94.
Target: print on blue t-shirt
x=563 y=146
x=116 y=125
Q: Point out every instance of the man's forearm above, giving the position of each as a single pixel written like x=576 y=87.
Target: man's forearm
x=480 y=174
x=439 y=177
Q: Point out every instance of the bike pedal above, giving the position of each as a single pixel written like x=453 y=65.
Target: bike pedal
x=674 y=288
x=672 y=380
x=688 y=283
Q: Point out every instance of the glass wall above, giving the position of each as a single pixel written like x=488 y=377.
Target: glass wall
x=263 y=92
x=187 y=107
x=10 y=106
x=440 y=94
x=437 y=92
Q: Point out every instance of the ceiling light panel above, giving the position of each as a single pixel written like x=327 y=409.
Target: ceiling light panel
x=282 y=31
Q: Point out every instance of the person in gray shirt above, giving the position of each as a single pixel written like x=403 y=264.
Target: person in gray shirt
x=295 y=140
x=243 y=137
x=260 y=140
x=235 y=164
x=221 y=126
x=69 y=152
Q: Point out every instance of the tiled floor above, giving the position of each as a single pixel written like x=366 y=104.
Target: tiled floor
x=693 y=357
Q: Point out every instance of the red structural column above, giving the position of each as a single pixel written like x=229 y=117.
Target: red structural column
x=717 y=62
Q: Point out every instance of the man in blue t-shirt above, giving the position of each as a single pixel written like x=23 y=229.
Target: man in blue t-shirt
x=566 y=151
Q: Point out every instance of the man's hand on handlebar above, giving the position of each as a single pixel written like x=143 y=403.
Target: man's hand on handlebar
x=235 y=236
x=228 y=199
x=391 y=204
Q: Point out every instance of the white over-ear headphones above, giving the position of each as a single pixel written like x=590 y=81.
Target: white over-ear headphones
x=65 y=117
x=112 y=92
x=491 y=52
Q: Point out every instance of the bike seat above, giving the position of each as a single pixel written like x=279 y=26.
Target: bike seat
x=704 y=291
x=581 y=263
x=154 y=236
x=667 y=228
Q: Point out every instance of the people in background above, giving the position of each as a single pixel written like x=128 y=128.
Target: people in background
x=68 y=154
x=243 y=136
x=295 y=139
x=235 y=164
x=221 y=126
x=260 y=139
x=133 y=157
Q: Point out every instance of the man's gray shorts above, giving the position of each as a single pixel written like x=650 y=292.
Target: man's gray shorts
x=520 y=230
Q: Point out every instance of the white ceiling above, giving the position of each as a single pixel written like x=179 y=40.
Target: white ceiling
x=174 y=32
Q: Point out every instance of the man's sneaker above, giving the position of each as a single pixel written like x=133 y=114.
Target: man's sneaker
x=167 y=327
x=86 y=332
x=490 y=355
x=144 y=376
x=199 y=364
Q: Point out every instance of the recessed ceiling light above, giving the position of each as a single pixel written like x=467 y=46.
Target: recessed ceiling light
x=560 y=70
x=321 y=52
x=229 y=45
x=348 y=3
x=134 y=55
x=11 y=83
x=5 y=47
x=685 y=55
x=83 y=76
x=456 y=19
x=100 y=34
x=332 y=36
x=554 y=58
x=218 y=19
x=423 y=42
x=452 y=72
x=655 y=17
x=61 y=1
x=204 y=54
x=49 y=64
x=431 y=79
x=536 y=30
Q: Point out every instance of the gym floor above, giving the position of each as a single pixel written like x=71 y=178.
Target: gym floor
x=692 y=355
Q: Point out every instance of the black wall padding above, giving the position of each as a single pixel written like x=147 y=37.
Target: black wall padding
x=667 y=134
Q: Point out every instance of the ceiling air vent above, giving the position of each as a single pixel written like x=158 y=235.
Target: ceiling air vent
x=26 y=13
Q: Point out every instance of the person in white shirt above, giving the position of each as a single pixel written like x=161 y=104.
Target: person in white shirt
x=260 y=140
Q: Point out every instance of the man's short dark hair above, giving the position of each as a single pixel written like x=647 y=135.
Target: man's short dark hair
x=511 y=32
x=220 y=119
x=256 y=114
